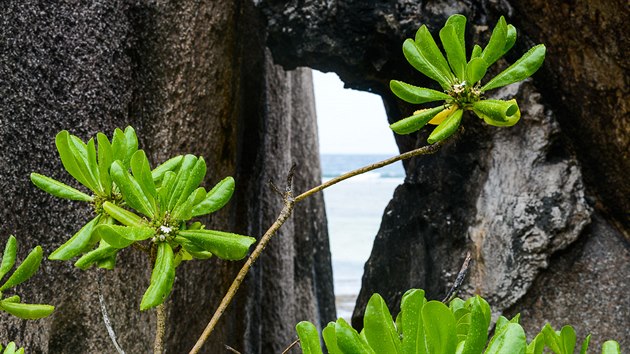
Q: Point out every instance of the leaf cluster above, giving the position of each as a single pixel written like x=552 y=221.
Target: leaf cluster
x=432 y=327
x=461 y=76
x=22 y=273
x=136 y=205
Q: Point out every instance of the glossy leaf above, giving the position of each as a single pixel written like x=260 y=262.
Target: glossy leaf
x=523 y=68
x=477 y=335
x=510 y=340
x=415 y=94
x=459 y=24
x=413 y=340
x=537 y=345
x=416 y=121
x=379 y=328
x=122 y=236
x=611 y=347
x=189 y=184
x=27 y=311
x=349 y=341
x=585 y=343
x=429 y=49
x=14 y=298
x=8 y=257
x=141 y=170
x=424 y=65
x=475 y=70
x=104 y=251
x=169 y=165
x=330 y=338
x=494 y=50
x=497 y=112
x=439 y=328
x=510 y=38
x=455 y=50
x=10 y=349
x=476 y=52
x=181 y=181
x=80 y=151
x=218 y=196
x=184 y=210
x=25 y=270
x=119 y=145
x=162 y=278
x=93 y=165
x=440 y=117
x=78 y=243
x=164 y=192
x=223 y=244
x=309 y=338
x=58 y=189
x=123 y=216
x=132 y=192
x=131 y=144
x=192 y=249
x=70 y=163
x=105 y=159
x=446 y=128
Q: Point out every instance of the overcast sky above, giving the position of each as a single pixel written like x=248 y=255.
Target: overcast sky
x=350 y=121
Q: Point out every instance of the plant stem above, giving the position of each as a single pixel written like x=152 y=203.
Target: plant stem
x=160 y=330
x=286 y=211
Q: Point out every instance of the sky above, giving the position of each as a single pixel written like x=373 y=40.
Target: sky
x=350 y=121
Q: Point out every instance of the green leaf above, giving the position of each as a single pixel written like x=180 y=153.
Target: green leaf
x=411 y=305
x=511 y=340
x=192 y=249
x=8 y=257
x=510 y=39
x=429 y=49
x=58 y=189
x=142 y=173
x=584 y=348
x=122 y=236
x=78 y=243
x=119 y=146
x=93 y=165
x=476 y=52
x=184 y=210
x=162 y=278
x=447 y=127
x=131 y=144
x=169 y=165
x=415 y=94
x=439 y=328
x=104 y=251
x=130 y=188
x=330 y=338
x=218 y=196
x=416 y=121
x=14 y=298
x=349 y=341
x=10 y=349
x=379 y=328
x=187 y=183
x=181 y=180
x=80 y=151
x=24 y=271
x=123 y=216
x=164 y=192
x=567 y=339
x=477 y=335
x=611 y=347
x=419 y=62
x=523 y=68
x=537 y=345
x=497 y=112
x=27 y=311
x=494 y=50
x=309 y=338
x=70 y=163
x=105 y=159
x=475 y=70
x=459 y=23
x=455 y=50
x=223 y=244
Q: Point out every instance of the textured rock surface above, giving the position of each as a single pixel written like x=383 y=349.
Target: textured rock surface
x=514 y=197
x=191 y=77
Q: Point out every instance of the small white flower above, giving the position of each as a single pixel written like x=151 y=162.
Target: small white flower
x=165 y=229
x=162 y=237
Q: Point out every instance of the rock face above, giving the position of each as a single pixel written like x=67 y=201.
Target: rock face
x=190 y=77
x=536 y=204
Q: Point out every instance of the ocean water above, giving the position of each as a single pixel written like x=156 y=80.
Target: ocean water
x=354 y=209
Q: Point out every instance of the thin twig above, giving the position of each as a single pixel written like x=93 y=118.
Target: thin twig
x=230 y=349
x=108 y=323
x=459 y=280
x=295 y=342
x=289 y=202
x=160 y=329
x=264 y=240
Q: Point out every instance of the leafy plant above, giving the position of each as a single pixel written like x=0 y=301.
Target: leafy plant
x=142 y=207
x=22 y=273
x=432 y=327
x=460 y=78
x=11 y=348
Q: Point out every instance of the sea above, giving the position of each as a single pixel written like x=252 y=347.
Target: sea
x=354 y=209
